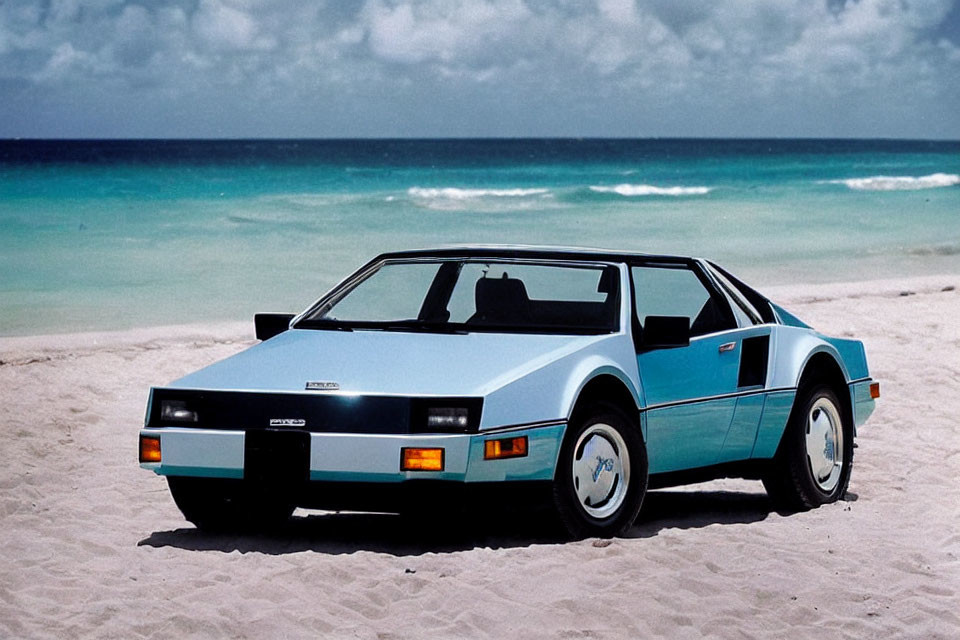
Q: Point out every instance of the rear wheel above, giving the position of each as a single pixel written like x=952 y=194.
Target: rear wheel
x=222 y=504
x=812 y=466
x=601 y=475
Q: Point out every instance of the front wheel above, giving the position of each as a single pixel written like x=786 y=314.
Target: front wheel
x=812 y=465
x=601 y=475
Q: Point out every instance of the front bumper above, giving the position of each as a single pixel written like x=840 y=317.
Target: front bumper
x=364 y=458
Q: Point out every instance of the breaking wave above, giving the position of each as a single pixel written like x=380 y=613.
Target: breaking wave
x=454 y=193
x=651 y=190
x=481 y=200
x=899 y=183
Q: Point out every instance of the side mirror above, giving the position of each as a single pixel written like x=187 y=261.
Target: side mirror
x=268 y=325
x=665 y=332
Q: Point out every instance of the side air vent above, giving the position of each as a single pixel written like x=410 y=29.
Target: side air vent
x=753 y=361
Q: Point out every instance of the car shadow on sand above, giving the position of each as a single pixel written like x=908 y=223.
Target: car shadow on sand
x=694 y=509
x=342 y=533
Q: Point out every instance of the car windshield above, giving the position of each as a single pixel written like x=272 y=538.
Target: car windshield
x=468 y=295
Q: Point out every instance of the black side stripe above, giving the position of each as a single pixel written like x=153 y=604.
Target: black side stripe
x=722 y=396
x=524 y=425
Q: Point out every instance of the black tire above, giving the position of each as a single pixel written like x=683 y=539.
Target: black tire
x=217 y=504
x=791 y=482
x=600 y=426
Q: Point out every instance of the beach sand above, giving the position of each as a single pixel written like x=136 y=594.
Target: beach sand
x=93 y=546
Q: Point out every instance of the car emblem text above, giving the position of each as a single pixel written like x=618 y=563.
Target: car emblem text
x=603 y=464
x=323 y=386
x=287 y=422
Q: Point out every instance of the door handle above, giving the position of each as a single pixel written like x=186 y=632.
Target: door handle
x=727 y=346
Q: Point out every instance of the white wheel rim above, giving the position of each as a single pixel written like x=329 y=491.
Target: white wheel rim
x=824 y=444
x=601 y=470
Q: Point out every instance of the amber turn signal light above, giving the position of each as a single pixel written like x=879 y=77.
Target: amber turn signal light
x=416 y=459
x=874 y=390
x=506 y=448
x=149 y=448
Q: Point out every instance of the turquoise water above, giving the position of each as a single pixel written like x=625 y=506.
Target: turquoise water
x=102 y=235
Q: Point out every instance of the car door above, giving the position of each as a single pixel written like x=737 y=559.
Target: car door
x=691 y=392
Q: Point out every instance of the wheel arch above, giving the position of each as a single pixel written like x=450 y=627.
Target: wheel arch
x=607 y=385
x=824 y=366
x=823 y=359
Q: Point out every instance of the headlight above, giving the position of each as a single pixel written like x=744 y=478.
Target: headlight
x=445 y=415
x=447 y=418
x=176 y=411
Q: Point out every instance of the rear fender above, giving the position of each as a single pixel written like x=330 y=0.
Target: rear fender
x=793 y=347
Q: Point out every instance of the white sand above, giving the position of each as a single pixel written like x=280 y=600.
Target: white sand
x=90 y=545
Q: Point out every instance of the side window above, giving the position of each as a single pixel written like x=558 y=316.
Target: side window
x=666 y=291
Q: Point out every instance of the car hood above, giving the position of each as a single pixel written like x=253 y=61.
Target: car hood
x=386 y=362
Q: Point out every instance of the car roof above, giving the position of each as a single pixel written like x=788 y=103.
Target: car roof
x=529 y=251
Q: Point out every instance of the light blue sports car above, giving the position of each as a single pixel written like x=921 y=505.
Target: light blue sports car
x=576 y=379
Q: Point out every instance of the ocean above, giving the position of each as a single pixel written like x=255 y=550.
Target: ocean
x=118 y=234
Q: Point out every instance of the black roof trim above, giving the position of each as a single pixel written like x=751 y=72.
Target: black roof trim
x=544 y=253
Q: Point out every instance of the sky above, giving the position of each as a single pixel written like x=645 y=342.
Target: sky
x=478 y=68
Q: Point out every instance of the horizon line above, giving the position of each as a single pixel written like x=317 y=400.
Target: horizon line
x=471 y=138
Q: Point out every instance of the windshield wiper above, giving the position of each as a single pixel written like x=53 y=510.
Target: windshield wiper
x=419 y=327
x=415 y=326
x=323 y=323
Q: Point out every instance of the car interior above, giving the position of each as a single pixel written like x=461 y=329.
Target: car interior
x=504 y=301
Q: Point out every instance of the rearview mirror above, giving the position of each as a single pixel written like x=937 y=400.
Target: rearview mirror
x=665 y=332
x=268 y=325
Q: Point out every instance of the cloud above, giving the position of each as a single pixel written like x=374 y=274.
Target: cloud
x=442 y=32
x=613 y=67
x=219 y=25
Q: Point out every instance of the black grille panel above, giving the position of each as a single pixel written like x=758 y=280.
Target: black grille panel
x=318 y=412
x=277 y=456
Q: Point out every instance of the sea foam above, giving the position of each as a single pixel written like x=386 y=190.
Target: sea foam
x=899 y=183
x=454 y=193
x=651 y=190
